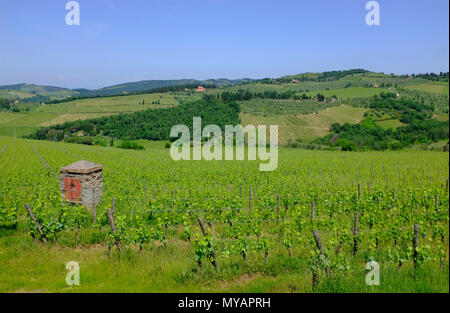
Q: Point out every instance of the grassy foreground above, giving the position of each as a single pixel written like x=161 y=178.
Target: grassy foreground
x=29 y=267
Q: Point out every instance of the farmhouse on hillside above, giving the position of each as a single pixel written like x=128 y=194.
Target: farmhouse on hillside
x=200 y=88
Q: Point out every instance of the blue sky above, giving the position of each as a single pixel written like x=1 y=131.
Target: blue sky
x=120 y=41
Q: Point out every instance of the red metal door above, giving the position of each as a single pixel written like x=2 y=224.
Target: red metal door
x=72 y=187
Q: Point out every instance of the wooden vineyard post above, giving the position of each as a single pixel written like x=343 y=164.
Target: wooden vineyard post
x=393 y=195
x=320 y=247
x=285 y=208
x=278 y=207
x=4 y=148
x=250 y=200
x=213 y=254
x=355 y=235
x=313 y=210
x=38 y=226
x=318 y=241
x=113 y=229
x=94 y=207
x=415 y=244
x=166 y=226
x=111 y=220
x=359 y=192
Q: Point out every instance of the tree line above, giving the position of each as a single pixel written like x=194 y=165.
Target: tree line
x=313 y=77
x=367 y=135
x=5 y=103
x=442 y=76
x=156 y=90
x=151 y=124
x=245 y=95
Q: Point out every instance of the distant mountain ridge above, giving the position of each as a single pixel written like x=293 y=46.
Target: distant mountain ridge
x=32 y=87
x=41 y=92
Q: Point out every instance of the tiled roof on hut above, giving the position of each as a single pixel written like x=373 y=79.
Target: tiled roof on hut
x=81 y=167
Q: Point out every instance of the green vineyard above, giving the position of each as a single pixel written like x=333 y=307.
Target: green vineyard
x=164 y=225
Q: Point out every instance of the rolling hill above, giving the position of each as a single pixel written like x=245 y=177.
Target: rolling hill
x=40 y=93
x=292 y=102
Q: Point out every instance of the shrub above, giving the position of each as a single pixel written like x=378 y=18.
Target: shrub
x=100 y=142
x=131 y=145
x=80 y=140
x=346 y=145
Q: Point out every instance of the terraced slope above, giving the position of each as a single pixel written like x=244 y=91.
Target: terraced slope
x=307 y=127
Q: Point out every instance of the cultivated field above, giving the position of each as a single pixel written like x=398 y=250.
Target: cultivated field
x=351 y=92
x=258 y=225
x=25 y=123
x=436 y=87
x=271 y=107
x=119 y=104
x=306 y=127
x=63 y=118
x=14 y=94
x=22 y=124
x=304 y=120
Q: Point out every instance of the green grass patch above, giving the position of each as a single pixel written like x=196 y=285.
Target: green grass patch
x=435 y=87
x=14 y=94
x=351 y=92
x=394 y=123
x=119 y=104
x=22 y=123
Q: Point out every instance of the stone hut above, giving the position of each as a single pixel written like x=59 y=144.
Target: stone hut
x=82 y=182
